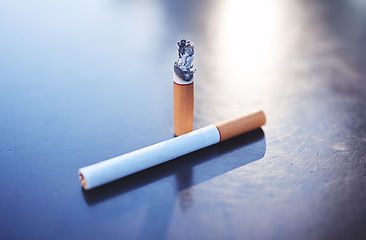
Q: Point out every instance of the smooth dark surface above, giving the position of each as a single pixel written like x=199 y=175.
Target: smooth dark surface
x=84 y=81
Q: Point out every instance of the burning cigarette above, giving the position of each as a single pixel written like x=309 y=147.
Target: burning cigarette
x=183 y=88
x=112 y=169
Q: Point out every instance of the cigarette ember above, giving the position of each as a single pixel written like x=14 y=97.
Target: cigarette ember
x=183 y=67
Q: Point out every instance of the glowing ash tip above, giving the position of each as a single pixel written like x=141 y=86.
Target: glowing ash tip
x=185 y=58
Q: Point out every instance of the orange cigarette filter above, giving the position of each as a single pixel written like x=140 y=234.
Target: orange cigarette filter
x=183 y=89
x=240 y=125
x=183 y=108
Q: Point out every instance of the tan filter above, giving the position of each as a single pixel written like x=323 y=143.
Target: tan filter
x=240 y=125
x=183 y=107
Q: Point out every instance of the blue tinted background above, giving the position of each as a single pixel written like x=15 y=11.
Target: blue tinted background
x=84 y=81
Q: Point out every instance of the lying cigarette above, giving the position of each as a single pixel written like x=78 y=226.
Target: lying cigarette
x=112 y=169
x=183 y=88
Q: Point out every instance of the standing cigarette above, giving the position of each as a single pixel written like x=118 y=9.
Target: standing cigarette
x=183 y=88
x=121 y=166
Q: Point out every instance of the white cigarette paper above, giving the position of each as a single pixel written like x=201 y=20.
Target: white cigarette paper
x=109 y=170
x=112 y=169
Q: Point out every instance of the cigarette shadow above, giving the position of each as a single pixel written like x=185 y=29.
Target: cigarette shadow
x=207 y=164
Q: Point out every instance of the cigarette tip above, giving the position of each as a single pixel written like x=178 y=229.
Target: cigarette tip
x=82 y=181
x=264 y=117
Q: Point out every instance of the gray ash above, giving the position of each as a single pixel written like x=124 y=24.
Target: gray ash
x=183 y=66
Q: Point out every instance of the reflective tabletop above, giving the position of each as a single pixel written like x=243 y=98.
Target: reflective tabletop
x=85 y=81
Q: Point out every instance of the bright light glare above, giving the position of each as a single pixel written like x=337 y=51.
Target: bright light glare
x=248 y=35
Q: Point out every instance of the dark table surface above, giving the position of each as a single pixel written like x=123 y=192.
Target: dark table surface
x=84 y=81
